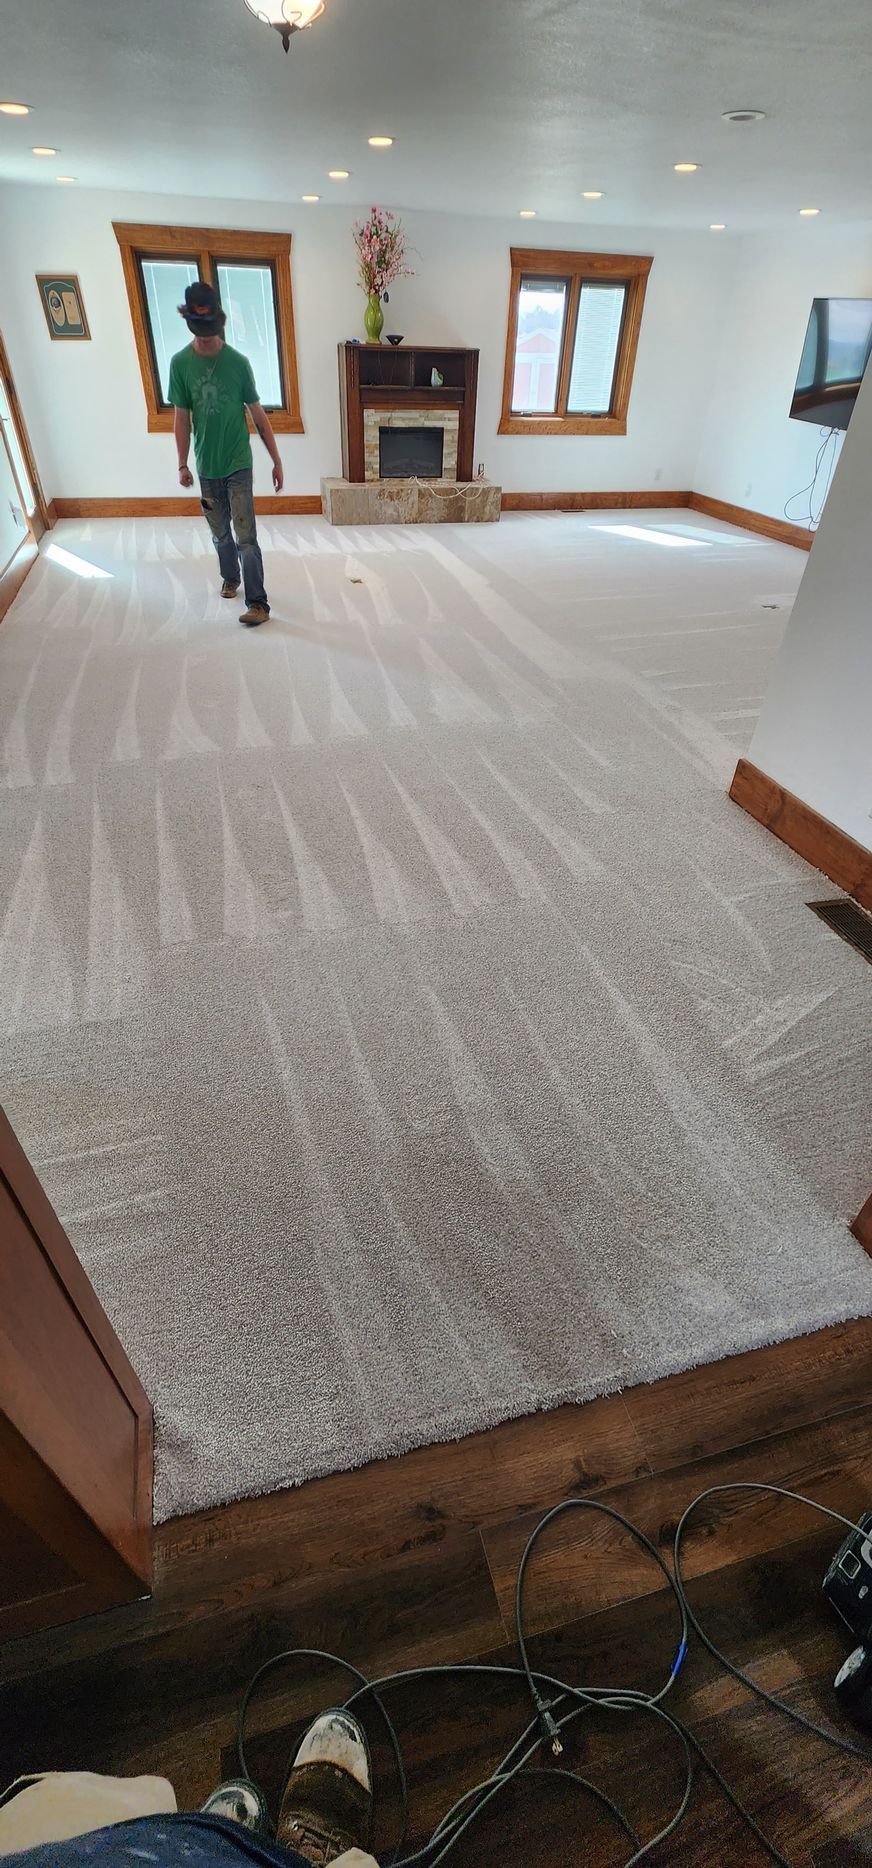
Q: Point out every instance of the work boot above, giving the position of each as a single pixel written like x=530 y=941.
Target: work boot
x=327 y=1801
x=229 y=590
x=256 y=613
x=239 y=1801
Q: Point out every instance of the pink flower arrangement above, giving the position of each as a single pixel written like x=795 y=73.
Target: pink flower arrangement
x=381 y=247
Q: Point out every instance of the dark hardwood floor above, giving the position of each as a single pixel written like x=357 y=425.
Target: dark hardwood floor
x=412 y=1562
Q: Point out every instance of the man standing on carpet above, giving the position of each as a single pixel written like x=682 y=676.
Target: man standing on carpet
x=212 y=386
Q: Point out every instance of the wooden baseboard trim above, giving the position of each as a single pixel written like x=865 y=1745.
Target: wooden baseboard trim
x=749 y=521
x=265 y=503
x=300 y=503
x=827 y=848
x=51 y=513
x=289 y=504
x=593 y=502
x=15 y=573
x=862 y=1227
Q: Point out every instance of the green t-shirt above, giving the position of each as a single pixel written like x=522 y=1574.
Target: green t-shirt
x=217 y=391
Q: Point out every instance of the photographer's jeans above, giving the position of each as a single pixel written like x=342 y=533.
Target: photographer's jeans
x=231 y=502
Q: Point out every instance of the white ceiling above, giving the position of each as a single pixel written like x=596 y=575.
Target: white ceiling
x=495 y=105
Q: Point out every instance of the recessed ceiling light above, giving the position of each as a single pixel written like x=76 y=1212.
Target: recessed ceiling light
x=338 y=175
x=743 y=116
x=527 y=214
x=685 y=168
x=65 y=178
x=15 y=110
x=593 y=194
x=717 y=226
x=381 y=142
x=310 y=197
x=40 y=151
x=809 y=211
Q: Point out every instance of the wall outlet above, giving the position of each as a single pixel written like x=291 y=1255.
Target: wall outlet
x=748 y=488
x=481 y=470
x=658 y=473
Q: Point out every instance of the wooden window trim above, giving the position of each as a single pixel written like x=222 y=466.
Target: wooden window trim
x=210 y=244
x=630 y=269
x=43 y=520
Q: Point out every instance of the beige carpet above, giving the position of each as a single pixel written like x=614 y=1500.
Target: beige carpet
x=407 y=1028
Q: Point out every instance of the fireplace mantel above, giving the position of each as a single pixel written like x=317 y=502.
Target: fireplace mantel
x=397 y=380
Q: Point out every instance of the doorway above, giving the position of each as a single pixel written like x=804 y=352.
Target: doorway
x=14 y=432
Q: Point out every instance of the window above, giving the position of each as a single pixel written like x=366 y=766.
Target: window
x=574 y=323
x=248 y=295
x=252 y=274
x=164 y=282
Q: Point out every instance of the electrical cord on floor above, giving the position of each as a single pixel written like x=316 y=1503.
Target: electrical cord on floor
x=557 y=1704
x=770 y=1699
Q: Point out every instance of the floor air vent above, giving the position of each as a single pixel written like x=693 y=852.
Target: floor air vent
x=846 y=919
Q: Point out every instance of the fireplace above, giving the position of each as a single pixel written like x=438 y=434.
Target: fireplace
x=411 y=388
x=408 y=439
x=411 y=453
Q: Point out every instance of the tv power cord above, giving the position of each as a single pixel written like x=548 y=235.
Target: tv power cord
x=815 y=501
x=557 y=1704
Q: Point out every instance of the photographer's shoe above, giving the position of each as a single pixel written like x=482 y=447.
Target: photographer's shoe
x=327 y=1801
x=239 y=1801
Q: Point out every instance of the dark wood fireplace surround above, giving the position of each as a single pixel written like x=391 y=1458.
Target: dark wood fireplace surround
x=379 y=376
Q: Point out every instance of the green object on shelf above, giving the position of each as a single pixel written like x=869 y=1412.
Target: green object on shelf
x=374 y=318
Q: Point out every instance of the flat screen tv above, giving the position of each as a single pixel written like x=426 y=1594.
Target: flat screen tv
x=836 y=351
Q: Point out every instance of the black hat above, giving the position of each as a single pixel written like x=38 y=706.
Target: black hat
x=202 y=310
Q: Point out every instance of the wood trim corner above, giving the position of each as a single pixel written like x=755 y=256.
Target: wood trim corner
x=84 y=1493
x=15 y=573
x=629 y=344
x=813 y=837
x=42 y=510
x=157 y=419
x=781 y=530
x=287 y=420
x=862 y=1227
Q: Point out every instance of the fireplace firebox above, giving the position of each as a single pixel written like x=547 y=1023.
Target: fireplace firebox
x=411 y=453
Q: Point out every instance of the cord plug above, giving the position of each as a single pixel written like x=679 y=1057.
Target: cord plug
x=550 y=1728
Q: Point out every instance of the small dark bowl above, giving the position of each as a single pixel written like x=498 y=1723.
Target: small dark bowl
x=392 y=337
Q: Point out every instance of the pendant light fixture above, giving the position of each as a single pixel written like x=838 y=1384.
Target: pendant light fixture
x=286 y=16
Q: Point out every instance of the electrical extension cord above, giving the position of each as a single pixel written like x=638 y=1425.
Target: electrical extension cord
x=556 y=1704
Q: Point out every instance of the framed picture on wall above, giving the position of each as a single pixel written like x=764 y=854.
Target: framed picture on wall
x=62 y=303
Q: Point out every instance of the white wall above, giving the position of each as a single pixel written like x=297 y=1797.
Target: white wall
x=751 y=453
x=813 y=735
x=720 y=345
x=84 y=403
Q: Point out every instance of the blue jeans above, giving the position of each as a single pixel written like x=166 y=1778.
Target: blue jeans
x=233 y=499
x=165 y=1842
